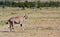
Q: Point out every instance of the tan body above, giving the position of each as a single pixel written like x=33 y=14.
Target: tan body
x=16 y=20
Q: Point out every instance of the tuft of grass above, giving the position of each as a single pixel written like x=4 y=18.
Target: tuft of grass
x=13 y=13
x=47 y=28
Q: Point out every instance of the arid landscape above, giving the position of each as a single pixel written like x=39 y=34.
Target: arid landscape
x=44 y=22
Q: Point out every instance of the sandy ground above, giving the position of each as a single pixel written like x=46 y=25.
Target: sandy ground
x=4 y=32
x=41 y=23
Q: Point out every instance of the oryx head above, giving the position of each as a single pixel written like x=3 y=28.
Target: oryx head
x=25 y=16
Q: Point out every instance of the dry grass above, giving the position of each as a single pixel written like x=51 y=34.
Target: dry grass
x=41 y=23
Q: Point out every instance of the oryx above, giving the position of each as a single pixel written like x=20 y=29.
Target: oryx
x=16 y=20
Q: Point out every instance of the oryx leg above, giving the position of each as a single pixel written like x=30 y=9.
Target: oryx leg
x=22 y=27
x=11 y=26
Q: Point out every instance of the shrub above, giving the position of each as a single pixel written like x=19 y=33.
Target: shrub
x=30 y=4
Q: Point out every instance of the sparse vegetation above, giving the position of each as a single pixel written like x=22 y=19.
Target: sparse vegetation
x=2 y=22
x=30 y=4
x=42 y=22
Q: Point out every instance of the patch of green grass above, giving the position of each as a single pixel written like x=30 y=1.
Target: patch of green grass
x=3 y=22
x=13 y=13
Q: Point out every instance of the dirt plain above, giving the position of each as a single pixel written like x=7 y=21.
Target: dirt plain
x=43 y=22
